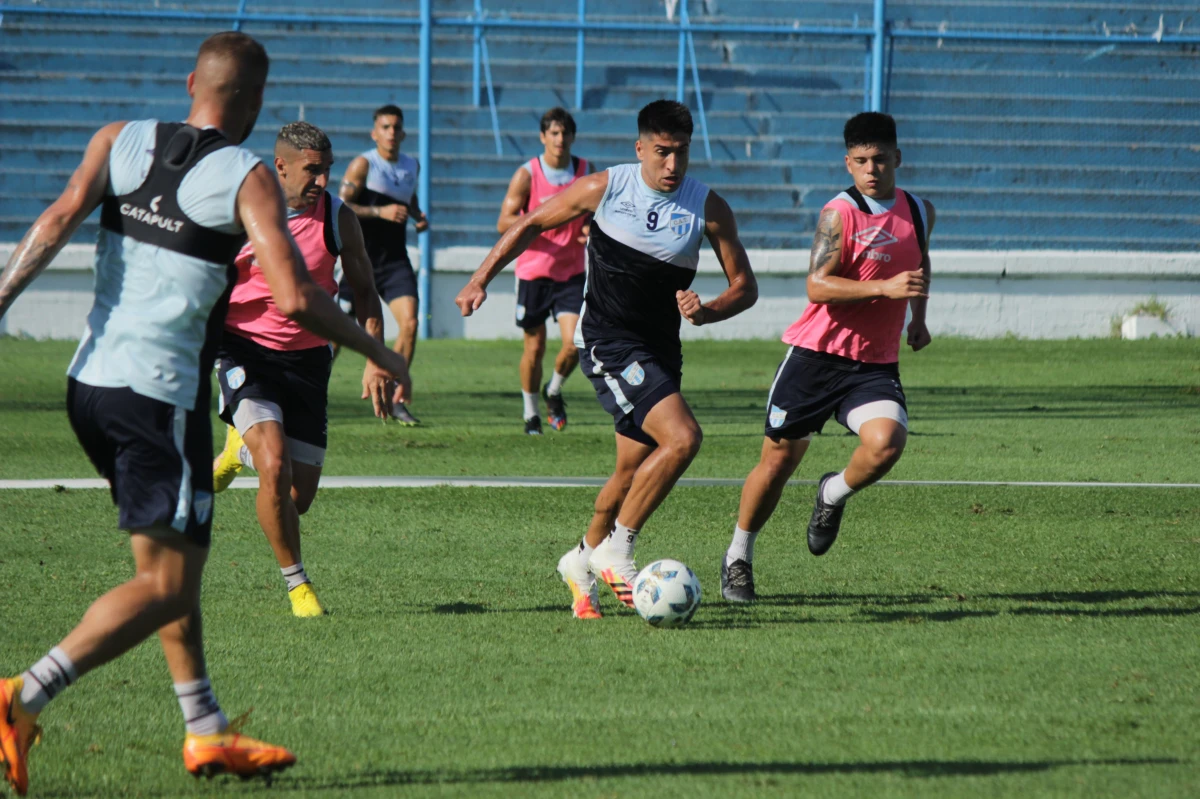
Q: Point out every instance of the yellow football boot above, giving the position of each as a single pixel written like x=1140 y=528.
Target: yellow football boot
x=304 y=601
x=227 y=465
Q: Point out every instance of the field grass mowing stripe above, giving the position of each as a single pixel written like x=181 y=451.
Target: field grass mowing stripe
x=392 y=481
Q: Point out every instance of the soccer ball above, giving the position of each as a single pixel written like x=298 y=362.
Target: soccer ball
x=666 y=593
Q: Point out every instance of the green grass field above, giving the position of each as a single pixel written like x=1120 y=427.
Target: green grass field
x=957 y=641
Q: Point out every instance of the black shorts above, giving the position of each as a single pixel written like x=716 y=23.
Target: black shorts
x=538 y=299
x=156 y=457
x=812 y=386
x=629 y=384
x=392 y=280
x=297 y=381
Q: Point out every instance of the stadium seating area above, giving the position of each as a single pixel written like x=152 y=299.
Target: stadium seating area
x=1020 y=145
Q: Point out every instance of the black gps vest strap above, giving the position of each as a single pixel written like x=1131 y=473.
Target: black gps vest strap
x=913 y=208
x=330 y=240
x=859 y=200
x=151 y=212
x=918 y=220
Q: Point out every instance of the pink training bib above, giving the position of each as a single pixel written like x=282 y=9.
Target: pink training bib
x=557 y=254
x=252 y=312
x=874 y=247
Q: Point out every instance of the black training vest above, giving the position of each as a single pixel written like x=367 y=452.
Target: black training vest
x=151 y=213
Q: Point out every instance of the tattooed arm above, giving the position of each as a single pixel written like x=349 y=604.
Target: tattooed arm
x=58 y=223
x=825 y=286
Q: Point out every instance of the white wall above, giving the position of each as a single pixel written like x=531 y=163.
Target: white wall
x=1031 y=294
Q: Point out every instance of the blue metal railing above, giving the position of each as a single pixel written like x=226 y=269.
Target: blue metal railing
x=879 y=40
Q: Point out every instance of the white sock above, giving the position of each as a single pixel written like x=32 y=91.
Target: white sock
x=531 y=404
x=837 y=491
x=46 y=679
x=623 y=540
x=201 y=713
x=585 y=551
x=295 y=575
x=556 y=384
x=742 y=546
x=246 y=458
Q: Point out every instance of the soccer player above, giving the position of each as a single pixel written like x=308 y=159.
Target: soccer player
x=380 y=187
x=869 y=265
x=644 y=245
x=176 y=199
x=550 y=272
x=274 y=374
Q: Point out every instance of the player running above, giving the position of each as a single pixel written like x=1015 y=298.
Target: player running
x=550 y=272
x=643 y=249
x=870 y=263
x=380 y=187
x=176 y=199
x=274 y=374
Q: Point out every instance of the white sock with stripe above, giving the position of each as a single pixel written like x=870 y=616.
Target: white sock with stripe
x=201 y=712
x=46 y=679
x=623 y=540
x=295 y=575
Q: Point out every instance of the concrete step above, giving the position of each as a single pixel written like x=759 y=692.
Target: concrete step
x=50 y=165
x=928 y=145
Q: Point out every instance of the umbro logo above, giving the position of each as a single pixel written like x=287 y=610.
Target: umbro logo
x=874 y=237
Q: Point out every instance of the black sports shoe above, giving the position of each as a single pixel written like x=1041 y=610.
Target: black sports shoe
x=533 y=426
x=556 y=409
x=825 y=522
x=737 y=581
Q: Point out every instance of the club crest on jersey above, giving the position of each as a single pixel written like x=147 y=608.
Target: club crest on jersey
x=777 y=416
x=520 y=312
x=236 y=378
x=874 y=237
x=634 y=374
x=681 y=224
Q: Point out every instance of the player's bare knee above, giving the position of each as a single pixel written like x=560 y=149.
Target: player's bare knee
x=408 y=328
x=274 y=472
x=685 y=442
x=884 y=451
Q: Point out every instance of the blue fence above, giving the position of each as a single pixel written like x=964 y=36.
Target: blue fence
x=883 y=35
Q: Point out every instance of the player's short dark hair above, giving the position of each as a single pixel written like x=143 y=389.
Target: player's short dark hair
x=665 y=118
x=388 y=110
x=870 y=127
x=561 y=116
x=303 y=136
x=245 y=51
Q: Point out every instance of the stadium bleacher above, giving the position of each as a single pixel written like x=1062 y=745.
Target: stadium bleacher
x=1021 y=145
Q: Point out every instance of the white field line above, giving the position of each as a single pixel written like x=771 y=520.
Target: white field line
x=569 y=482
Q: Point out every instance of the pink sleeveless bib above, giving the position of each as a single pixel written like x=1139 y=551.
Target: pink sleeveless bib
x=252 y=312
x=556 y=254
x=874 y=247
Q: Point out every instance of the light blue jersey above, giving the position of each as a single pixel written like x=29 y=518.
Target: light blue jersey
x=152 y=305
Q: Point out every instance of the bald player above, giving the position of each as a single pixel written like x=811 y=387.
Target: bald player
x=177 y=200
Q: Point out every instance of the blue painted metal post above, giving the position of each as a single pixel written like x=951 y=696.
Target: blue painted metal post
x=237 y=23
x=475 y=54
x=698 y=89
x=579 y=56
x=880 y=33
x=424 y=123
x=679 y=76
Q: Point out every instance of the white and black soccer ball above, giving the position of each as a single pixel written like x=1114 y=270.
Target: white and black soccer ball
x=666 y=593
